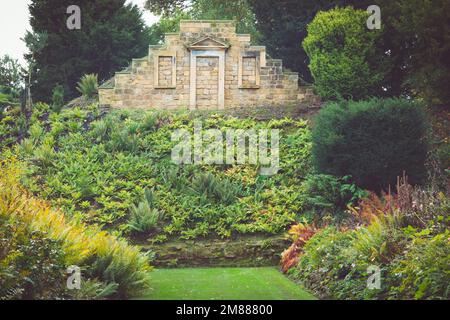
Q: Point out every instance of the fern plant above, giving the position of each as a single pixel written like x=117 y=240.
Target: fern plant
x=44 y=154
x=208 y=186
x=88 y=85
x=57 y=98
x=144 y=217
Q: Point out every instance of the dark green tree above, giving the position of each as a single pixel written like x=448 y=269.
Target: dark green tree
x=111 y=34
x=173 y=11
x=421 y=33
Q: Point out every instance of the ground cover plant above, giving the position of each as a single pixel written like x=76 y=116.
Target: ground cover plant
x=96 y=165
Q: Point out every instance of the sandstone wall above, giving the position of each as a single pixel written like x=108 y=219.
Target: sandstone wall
x=162 y=79
x=246 y=251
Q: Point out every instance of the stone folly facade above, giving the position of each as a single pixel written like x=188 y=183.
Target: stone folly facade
x=204 y=66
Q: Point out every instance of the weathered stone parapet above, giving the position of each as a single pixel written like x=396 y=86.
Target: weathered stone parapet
x=204 y=66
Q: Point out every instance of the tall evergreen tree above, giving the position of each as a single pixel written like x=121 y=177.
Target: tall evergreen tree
x=111 y=34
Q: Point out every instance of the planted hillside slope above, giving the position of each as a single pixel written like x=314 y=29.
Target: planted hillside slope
x=114 y=168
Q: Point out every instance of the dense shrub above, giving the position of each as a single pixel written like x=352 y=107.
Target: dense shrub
x=374 y=141
x=343 y=55
x=31 y=264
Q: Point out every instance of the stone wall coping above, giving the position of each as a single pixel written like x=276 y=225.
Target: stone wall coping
x=256 y=48
x=207 y=21
x=140 y=59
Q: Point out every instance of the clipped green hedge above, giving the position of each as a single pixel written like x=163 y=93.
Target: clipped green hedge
x=374 y=141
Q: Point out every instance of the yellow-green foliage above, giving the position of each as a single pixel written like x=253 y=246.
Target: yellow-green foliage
x=342 y=53
x=88 y=85
x=105 y=257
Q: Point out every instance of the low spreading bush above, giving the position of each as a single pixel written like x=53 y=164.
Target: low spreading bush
x=40 y=236
x=411 y=253
x=373 y=141
x=322 y=263
x=423 y=272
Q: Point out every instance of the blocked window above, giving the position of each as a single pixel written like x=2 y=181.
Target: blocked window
x=165 y=70
x=249 y=71
x=249 y=74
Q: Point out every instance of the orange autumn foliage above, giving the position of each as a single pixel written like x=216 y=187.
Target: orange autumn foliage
x=300 y=234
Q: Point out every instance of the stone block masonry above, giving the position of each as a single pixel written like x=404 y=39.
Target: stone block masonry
x=207 y=65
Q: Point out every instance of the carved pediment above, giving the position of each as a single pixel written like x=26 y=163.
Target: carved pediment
x=207 y=43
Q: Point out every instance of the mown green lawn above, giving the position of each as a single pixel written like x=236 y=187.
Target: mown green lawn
x=224 y=284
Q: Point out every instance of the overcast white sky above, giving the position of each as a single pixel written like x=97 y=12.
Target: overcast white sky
x=14 y=23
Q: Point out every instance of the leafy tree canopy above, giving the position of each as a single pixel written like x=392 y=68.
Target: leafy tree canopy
x=111 y=34
x=173 y=11
x=11 y=74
